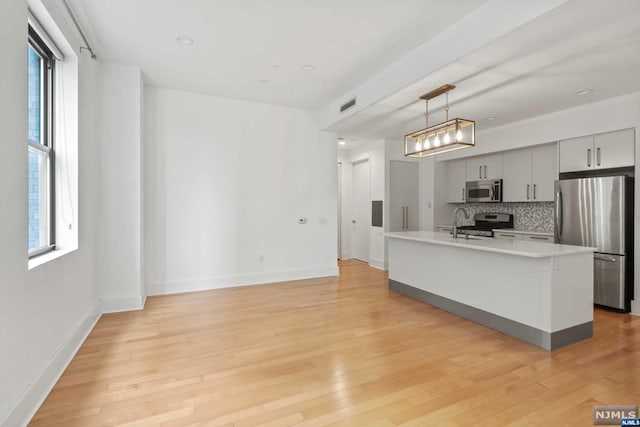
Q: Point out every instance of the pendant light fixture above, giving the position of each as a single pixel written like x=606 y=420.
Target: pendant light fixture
x=446 y=136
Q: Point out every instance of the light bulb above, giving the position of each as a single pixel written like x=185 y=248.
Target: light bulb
x=418 y=146
x=459 y=135
x=426 y=144
x=447 y=138
x=436 y=142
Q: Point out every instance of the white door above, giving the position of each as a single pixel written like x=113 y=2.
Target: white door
x=361 y=221
x=403 y=194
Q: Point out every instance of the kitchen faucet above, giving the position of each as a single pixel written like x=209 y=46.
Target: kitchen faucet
x=455 y=221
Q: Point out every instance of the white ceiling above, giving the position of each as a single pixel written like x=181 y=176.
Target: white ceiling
x=534 y=70
x=237 y=41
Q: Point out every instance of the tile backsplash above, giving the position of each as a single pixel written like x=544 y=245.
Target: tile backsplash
x=530 y=216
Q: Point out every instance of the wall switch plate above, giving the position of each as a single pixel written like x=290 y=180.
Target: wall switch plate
x=302 y=220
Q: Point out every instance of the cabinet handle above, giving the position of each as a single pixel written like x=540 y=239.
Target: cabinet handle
x=479 y=172
x=534 y=191
x=404 y=224
x=528 y=186
x=407 y=213
x=598 y=156
x=589 y=157
x=538 y=238
x=485 y=171
x=463 y=194
x=506 y=235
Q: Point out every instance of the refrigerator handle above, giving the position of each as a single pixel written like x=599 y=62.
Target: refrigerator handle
x=558 y=214
x=604 y=257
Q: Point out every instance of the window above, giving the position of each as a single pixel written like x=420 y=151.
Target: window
x=40 y=145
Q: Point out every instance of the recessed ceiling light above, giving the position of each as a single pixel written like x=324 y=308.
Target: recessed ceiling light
x=185 y=40
x=307 y=67
x=341 y=141
x=583 y=92
x=263 y=81
x=490 y=118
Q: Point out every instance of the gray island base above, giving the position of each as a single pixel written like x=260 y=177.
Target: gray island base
x=540 y=293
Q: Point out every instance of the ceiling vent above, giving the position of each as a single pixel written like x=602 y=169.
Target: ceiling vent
x=344 y=107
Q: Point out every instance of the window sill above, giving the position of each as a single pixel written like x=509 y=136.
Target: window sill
x=47 y=257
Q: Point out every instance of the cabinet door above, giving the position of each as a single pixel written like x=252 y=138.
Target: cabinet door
x=577 y=154
x=492 y=168
x=516 y=185
x=544 y=172
x=403 y=196
x=475 y=170
x=456 y=180
x=614 y=149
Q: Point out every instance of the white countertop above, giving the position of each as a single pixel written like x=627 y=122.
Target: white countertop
x=513 y=247
x=514 y=231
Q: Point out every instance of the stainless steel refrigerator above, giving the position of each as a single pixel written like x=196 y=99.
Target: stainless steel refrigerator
x=598 y=212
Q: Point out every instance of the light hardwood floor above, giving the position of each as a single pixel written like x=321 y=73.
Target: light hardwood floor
x=334 y=351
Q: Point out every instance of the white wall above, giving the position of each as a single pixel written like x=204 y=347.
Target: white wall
x=44 y=312
x=224 y=185
x=119 y=244
x=612 y=114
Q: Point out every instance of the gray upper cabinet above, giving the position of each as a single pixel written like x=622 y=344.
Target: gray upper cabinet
x=456 y=180
x=529 y=174
x=601 y=151
x=486 y=167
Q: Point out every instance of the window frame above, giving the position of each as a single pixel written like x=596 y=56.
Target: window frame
x=47 y=131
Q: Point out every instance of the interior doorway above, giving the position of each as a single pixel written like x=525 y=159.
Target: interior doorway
x=361 y=210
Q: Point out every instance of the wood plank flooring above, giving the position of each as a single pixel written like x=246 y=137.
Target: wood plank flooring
x=335 y=351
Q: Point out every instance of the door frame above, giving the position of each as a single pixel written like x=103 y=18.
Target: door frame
x=339 y=174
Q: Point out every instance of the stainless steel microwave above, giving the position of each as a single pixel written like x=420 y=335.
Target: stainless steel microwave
x=484 y=191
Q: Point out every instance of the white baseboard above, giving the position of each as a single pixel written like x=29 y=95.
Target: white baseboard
x=377 y=263
x=116 y=305
x=180 y=286
x=42 y=386
x=635 y=308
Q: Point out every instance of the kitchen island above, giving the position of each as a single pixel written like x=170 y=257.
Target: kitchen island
x=541 y=293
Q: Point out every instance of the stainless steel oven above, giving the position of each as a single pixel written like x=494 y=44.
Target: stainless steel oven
x=484 y=191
